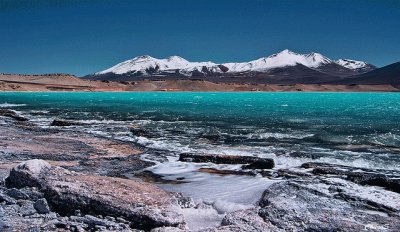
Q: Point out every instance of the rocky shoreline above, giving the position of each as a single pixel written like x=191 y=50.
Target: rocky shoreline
x=61 y=180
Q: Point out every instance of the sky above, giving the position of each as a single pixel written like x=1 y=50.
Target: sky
x=85 y=36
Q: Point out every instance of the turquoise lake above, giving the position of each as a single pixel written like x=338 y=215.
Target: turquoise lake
x=358 y=129
x=353 y=129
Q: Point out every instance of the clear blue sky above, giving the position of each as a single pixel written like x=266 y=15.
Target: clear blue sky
x=84 y=36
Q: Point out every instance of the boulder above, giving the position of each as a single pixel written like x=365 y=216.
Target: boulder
x=252 y=161
x=27 y=173
x=136 y=131
x=12 y=114
x=144 y=205
x=41 y=206
x=6 y=199
x=245 y=220
x=16 y=194
x=310 y=206
x=382 y=178
x=62 y=122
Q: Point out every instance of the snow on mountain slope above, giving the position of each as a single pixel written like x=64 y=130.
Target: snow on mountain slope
x=147 y=65
x=352 y=64
x=281 y=59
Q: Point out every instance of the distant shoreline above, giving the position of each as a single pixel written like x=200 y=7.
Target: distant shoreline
x=69 y=83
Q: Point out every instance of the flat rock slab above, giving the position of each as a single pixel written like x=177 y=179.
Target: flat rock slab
x=251 y=161
x=144 y=205
x=63 y=122
x=312 y=206
x=383 y=178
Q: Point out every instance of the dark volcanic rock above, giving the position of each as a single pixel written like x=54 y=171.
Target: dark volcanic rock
x=17 y=194
x=260 y=164
x=41 y=206
x=227 y=172
x=6 y=199
x=254 y=162
x=144 y=205
x=12 y=114
x=62 y=122
x=139 y=132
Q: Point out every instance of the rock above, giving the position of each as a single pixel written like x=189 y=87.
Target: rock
x=260 y=164
x=167 y=229
x=12 y=114
x=62 y=122
x=228 y=159
x=26 y=208
x=114 y=166
x=244 y=220
x=8 y=200
x=139 y=132
x=151 y=177
x=305 y=206
x=41 y=206
x=26 y=174
x=185 y=202
x=382 y=178
x=16 y=194
x=227 y=172
x=144 y=205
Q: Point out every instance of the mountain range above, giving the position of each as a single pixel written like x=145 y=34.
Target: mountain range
x=285 y=67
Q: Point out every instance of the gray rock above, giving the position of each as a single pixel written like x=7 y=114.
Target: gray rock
x=299 y=206
x=382 y=178
x=167 y=229
x=186 y=202
x=27 y=174
x=246 y=220
x=17 y=194
x=8 y=200
x=26 y=208
x=144 y=205
x=41 y=206
x=252 y=161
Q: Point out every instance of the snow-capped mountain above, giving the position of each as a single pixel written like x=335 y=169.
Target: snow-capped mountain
x=150 y=65
x=281 y=59
x=355 y=65
x=280 y=65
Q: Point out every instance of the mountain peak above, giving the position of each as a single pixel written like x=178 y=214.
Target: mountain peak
x=144 y=57
x=176 y=58
x=354 y=64
x=285 y=52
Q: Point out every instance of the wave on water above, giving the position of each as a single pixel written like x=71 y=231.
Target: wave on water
x=7 y=105
x=277 y=135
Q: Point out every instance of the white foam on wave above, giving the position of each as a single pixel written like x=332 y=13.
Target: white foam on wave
x=278 y=135
x=93 y=121
x=161 y=145
x=7 y=105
